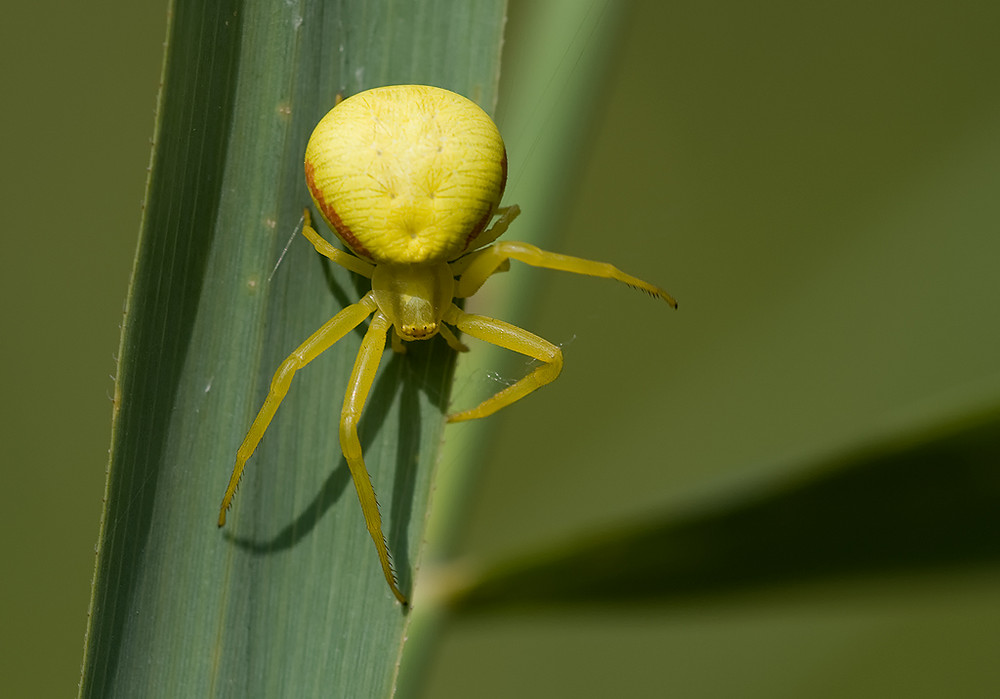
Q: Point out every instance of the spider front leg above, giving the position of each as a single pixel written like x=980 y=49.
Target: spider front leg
x=476 y=268
x=320 y=341
x=505 y=215
x=516 y=339
x=362 y=377
x=324 y=248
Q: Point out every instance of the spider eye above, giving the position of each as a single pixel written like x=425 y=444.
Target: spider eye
x=418 y=332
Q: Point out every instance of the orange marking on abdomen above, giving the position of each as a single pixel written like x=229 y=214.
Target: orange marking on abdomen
x=331 y=216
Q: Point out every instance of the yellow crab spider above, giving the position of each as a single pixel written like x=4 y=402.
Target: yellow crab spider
x=409 y=177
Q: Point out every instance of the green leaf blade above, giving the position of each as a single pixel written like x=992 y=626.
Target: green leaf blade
x=288 y=599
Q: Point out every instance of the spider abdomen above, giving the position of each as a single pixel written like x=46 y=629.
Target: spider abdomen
x=407 y=173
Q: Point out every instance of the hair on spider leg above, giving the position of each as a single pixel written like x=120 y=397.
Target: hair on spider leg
x=663 y=296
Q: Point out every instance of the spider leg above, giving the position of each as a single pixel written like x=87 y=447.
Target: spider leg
x=397 y=343
x=321 y=340
x=450 y=338
x=362 y=377
x=510 y=337
x=507 y=214
x=483 y=263
x=323 y=247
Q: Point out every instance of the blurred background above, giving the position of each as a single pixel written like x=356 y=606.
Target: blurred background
x=817 y=184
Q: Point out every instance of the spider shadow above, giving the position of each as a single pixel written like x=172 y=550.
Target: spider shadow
x=399 y=373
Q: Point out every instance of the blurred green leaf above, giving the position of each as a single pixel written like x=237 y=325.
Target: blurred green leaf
x=927 y=500
x=289 y=599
